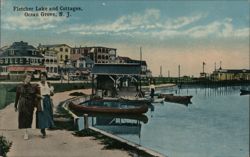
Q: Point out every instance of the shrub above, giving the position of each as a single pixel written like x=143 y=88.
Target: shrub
x=4 y=146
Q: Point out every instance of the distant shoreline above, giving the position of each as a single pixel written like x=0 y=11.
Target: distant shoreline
x=165 y=85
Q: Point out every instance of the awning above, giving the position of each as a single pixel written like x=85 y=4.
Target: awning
x=26 y=68
x=116 y=69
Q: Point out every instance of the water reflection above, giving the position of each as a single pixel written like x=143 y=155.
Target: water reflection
x=119 y=124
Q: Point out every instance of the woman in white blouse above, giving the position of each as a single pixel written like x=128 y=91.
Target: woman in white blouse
x=45 y=111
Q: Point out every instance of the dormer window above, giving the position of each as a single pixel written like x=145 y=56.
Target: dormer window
x=33 y=52
x=12 y=52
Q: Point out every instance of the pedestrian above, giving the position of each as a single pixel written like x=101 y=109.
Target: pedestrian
x=152 y=91
x=25 y=104
x=44 y=114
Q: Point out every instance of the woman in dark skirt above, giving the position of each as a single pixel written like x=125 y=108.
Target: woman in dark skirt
x=24 y=104
x=44 y=114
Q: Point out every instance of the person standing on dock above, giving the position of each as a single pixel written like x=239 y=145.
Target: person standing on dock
x=152 y=90
x=25 y=104
x=44 y=115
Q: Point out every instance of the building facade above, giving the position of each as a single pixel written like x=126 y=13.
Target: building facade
x=20 y=58
x=63 y=52
x=144 y=70
x=51 y=63
x=230 y=74
x=97 y=54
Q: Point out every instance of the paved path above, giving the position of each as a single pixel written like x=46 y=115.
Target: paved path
x=58 y=143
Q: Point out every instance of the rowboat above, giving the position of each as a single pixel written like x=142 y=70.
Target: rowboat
x=244 y=92
x=177 y=99
x=109 y=106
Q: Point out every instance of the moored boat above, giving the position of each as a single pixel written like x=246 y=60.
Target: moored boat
x=177 y=99
x=109 y=106
x=244 y=92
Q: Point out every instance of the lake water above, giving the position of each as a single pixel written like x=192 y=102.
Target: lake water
x=216 y=124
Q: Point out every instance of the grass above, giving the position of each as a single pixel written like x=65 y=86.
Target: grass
x=63 y=119
x=7 y=91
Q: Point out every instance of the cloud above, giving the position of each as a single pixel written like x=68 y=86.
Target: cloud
x=14 y=22
x=150 y=24
x=223 y=29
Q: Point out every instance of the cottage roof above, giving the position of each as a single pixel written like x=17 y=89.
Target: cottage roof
x=20 y=49
x=116 y=69
x=52 y=46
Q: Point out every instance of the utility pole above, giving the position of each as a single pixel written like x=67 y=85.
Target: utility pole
x=203 y=67
x=160 y=71
x=179 y=72
x=140 y=67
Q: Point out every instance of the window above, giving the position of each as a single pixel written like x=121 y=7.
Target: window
x=21 y=60
x=33 y=52
x=11 y=52
x=61 y=57
x=61 y=49
x=66 y=57
x=55 y=70
x=16 y=60
x=66 y=50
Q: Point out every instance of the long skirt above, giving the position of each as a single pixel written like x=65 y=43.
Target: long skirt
x=25 y=113
x=44 y=119
x=24 y=120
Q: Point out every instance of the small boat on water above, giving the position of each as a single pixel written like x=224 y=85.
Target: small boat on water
x=244 y=92
x=176 y=99
x=110 y=106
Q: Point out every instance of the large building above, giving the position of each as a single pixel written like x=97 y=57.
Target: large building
x=144 y=70
x=63 y=52
x=20 y=58
x=97 y=54
x=51 y=63
x=230 y=74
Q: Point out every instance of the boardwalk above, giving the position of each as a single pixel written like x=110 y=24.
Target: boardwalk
x=59 y=143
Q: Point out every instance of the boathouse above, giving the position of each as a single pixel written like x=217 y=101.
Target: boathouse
x=114 y=80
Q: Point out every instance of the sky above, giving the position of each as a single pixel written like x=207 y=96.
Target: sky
x=171 y=33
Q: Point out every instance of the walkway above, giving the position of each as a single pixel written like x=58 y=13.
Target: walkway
x=58 y=143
